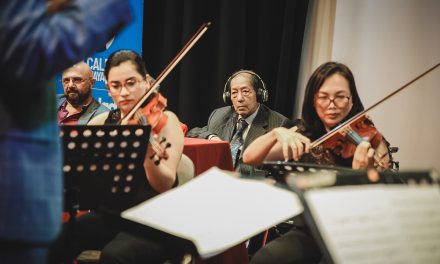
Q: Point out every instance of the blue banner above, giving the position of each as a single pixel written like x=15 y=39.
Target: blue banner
x=129 y=38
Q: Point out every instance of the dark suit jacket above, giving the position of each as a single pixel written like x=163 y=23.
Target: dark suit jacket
x=222 y=123
x=94 y=109
x=34 y=47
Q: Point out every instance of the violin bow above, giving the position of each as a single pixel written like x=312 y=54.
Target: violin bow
x=362 y=113
x=203 y=28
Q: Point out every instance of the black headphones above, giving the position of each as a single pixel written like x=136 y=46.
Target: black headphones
x=259 y=87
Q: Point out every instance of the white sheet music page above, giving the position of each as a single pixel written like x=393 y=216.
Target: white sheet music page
x=379 y=223
x=217 y=211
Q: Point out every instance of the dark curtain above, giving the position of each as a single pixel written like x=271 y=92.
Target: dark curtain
x=261 y=35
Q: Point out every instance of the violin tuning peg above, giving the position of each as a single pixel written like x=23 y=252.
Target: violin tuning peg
x=156 y=159
x=168 y=145
x=394 y=149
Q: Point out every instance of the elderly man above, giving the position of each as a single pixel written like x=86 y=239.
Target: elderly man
x=247 y=119
x=77 y=105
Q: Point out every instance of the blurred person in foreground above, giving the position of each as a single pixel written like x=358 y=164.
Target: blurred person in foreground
x=38 y=40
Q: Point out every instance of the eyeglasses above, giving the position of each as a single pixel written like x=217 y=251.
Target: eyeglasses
x=74 y=80
x=130 y=84
x=339 y=100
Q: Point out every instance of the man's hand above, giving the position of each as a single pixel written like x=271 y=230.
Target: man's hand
x=214 y=137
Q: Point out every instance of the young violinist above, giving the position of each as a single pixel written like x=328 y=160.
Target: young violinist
x=127 y=83
x=330 y=99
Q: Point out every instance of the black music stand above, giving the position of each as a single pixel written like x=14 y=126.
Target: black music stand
x=103 y=166
x=354 y=218
x=103 y=171
x=279 y=170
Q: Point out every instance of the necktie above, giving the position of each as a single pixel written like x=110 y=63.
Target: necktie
x=237 y=140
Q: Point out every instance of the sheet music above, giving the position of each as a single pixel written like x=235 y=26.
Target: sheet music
x=379 y=223
x=217 y=211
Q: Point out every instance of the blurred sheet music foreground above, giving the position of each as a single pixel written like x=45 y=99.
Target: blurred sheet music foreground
x=217 y=211
x=375 y=223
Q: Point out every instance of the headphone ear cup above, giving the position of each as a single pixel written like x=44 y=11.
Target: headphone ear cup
x=227 y=97
x=262 y=95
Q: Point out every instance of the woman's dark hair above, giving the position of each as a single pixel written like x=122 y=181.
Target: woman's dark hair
x=311 y=119
x=120 y=56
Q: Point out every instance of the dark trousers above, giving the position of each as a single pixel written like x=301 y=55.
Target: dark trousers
x=94 y=232
x=295 y=246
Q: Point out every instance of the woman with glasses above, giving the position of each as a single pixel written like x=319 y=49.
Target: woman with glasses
x=330 y=99
x=127 y=83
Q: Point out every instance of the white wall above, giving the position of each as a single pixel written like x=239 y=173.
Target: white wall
x=387 y=43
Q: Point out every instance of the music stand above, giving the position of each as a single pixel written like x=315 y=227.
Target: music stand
x=355 y=219
x=280 y=170
x=103 y=171
x=103 y=166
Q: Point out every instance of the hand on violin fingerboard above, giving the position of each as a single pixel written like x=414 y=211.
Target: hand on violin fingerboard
x=159 y=148
x=367 y=157
x=363 y=156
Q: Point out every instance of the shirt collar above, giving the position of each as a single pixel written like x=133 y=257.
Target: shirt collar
x=251 y=118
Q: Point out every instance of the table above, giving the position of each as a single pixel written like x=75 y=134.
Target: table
x=208 y=153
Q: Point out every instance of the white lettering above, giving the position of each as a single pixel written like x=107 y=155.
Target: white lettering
x=96 y=64
x=89 y=61
x=98 y=76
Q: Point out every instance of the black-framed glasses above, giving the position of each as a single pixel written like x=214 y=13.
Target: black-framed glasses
x=339 y=100
x=130 y=84
x=74 y=80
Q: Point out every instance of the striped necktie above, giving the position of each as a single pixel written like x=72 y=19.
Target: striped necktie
x=237 y=141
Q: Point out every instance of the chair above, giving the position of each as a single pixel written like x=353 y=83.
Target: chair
x=186 y=170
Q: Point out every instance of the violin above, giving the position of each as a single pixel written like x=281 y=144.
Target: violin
x=149 y=110
x=344 y=139
x=344 y=142
x=152 y=112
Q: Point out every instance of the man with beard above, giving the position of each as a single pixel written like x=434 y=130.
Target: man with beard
x=77 y=105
